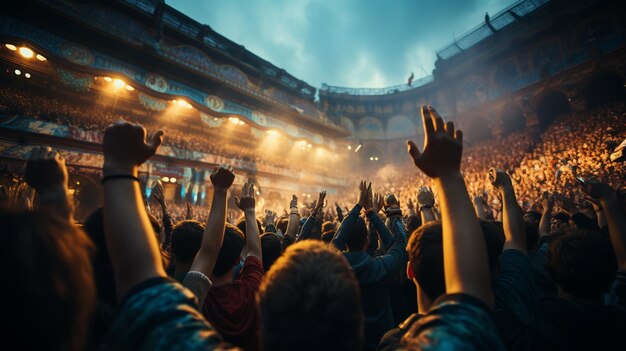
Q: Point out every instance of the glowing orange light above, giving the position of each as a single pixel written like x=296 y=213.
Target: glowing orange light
x=108 y=79
x=11 y=47
x=118 y=84
x=129 y=88
x=26 y=52
x=40 y=57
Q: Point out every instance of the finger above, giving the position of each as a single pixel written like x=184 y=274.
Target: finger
x=237 y=201
x=34 y=152
x=458 y=137
x=413 y=151
x=450 y=129
x=437 y=119
x=427 y=122
x=156 y=140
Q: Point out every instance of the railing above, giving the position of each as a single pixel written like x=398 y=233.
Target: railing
x=498 y=21
x=377 y=91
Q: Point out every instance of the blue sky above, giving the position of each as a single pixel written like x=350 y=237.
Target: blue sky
x=353 y=43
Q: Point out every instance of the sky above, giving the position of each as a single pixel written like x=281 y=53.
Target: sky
x=350 y=43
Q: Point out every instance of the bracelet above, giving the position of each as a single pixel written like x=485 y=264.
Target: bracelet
x=119 y=176
x=294 y=211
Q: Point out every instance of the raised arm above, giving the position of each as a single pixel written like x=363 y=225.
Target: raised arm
x=465 y=258
x=515 y=237
x=339 y=240
x=159 y=196
x=253 y=237
x=133 y=248
x=47 y=174
x=615 y=217
x=222 y=178
x=311 y=221
x=294 y=218
x=547 y=201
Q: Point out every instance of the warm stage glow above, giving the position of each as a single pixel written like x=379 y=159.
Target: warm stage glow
x=26 y=52
x=118 y=84
x=349 y=147
x=165 y=179
x=11 y=47
x=40 y=58
x=271 y=132
x=108 y=79
x=27 y=75
x=129 y=88
x=18 y=72
x=358 y=148
x=172 y=180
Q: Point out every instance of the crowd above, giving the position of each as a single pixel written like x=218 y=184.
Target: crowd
x=90 y=116
x=476 y=249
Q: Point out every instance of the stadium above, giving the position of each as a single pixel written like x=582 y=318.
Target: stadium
x=537 y=89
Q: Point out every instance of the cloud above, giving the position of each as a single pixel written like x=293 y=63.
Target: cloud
x=358 y=43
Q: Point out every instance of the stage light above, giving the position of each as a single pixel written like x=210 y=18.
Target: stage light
x=371 y=158
x=271 y=132
x=349 y=147
x=188 y=106
x=309 y=146
x=241 y=123
x=358 y=148
x=18 y=72
x=181 y=103
x=26 y=52
x=129 y=88
x=27 y=75
x=108 y=79
x=258 y=193
x=40 y=58
x=375 y=158
x=118 y=84
x=165 y=179
x=172 y=180
x=11 y=47
x=234 y=120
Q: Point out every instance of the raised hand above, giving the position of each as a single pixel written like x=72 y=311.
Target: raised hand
x=597 y=190
x=270 y=217
x=547 y=201
x=443 y=146
x=247 y=201
x=222 y=177
x=425 y=197
x=158 y=193
x=378 y=202
x=294 y=202
x=410 y=204
x=364 y=188
x=125 y=147
x=46 y=171
x=319 y=205
x=567 y=205
x=499 y=179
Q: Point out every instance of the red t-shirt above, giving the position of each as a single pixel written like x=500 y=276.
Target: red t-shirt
x=231 y=308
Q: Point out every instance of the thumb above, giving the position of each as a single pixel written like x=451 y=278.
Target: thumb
x=413 y=150
x=156 y=140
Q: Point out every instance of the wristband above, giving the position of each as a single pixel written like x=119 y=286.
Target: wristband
x=119 y=176
x=294 y=211
x=425 y=206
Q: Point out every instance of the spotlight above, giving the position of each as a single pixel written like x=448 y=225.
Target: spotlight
x=11 y=47
x=309 y=146
x=358 y=148
x=349 y=147
x=375 y=158
x=129 y=88
x=118 y=84
x=181 y=103
x=108 y=79
x=165 y=179
x=271 y=132
x=172 y=180
x=241 y=123
x=234 y=120
x=27 y=75
x=258 y=193
x=40 y=57
x=371 y=158
x=188 y=106
x=26 y=52
x=18 y=72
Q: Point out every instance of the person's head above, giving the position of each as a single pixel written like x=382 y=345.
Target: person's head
x=241 y=225
x=282 y=225
x=310 y=300
x=327 y=237
x=412 y=223
x=328 y=226
x=357 y=238
x=532 y=217
x=271 y=247
x=425 y=250
x=234 y=241
x=582 y=263
x=186 y=240
x=49 y=293
x=559 y=220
